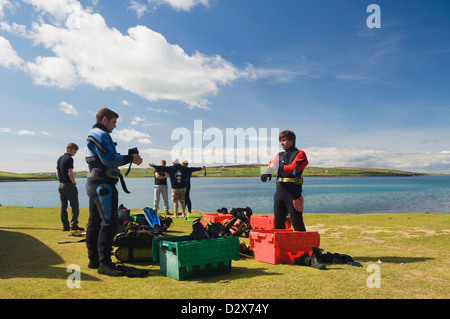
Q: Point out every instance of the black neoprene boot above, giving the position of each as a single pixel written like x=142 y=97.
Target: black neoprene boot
x=93 y=264
x=315 y=259
x=110 y=270
x=303 y=260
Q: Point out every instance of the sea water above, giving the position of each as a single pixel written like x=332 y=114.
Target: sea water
x=351 y=195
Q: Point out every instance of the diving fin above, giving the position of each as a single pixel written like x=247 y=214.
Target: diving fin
x=153 y=220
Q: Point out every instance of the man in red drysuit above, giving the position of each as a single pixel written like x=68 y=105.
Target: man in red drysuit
x=288 y=197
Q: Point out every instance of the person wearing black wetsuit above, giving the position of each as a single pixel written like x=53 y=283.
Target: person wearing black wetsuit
x=104 y=173
x=187 y=195
x=288 y=197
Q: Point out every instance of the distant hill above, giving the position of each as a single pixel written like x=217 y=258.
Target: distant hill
x=227 y=171
x=255 y=171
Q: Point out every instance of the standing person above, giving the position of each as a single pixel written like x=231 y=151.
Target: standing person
x=161 y=189
x=187 y=196
x=67 y=188
x=178 y=176
x=288 y=197
x=103 y=161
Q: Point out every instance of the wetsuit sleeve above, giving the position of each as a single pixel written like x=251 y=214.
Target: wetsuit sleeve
x=194 y=169
x=298 y=164
x=100 y=146
x=273 y=166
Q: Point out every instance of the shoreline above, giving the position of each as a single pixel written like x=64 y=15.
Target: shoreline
x=244 y=171
x=215 y=176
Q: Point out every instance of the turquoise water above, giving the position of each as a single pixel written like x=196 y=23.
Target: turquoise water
x=353 y=195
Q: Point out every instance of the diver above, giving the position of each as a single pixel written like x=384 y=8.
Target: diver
x=103 y=161
x=288 y=197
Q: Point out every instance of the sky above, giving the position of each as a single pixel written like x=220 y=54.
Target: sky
x=214 y=81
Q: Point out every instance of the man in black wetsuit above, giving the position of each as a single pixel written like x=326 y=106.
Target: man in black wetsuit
x=104 y=173
x=288 y=197
x=188 y=186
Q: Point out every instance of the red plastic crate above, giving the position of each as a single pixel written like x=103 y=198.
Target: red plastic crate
x=281 y=246
x=265 y=222
x=215 y=218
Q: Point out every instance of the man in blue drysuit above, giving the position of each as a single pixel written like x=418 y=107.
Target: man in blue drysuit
x=103 y=161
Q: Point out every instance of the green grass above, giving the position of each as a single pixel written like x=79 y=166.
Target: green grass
x=413 y=250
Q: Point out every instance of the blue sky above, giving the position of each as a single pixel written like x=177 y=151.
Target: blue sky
x=355 y=96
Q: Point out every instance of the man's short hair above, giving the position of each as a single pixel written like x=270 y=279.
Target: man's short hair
x=289 y=135
x=72 y=146
x=110 y=114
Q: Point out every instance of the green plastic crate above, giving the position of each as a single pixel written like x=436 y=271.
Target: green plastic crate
x=183 y=258
x=139 y=218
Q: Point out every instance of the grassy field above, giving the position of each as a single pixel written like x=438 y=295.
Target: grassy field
x=411 y=250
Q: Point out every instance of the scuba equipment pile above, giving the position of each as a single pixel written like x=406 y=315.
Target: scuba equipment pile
x=239 y=224
x=212 y=230
x=134 y=243
x=158 y=224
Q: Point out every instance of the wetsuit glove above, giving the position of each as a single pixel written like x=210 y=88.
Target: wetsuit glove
x=264 y=177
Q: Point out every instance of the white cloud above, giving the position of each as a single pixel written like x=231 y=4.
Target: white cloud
x=4 y=130
x=25 y=132
x=185 y=5
x=14 y=28
x=160 y=110
x=142 y=121
x=8 y=56
x=279 y=74
x=351 y=156
x=141 y=62
x=156 y=155
x=68 y=108
x=52 y=71
x=4 y=4
x=137 y=120
x=140 y=8
x=127 y=135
